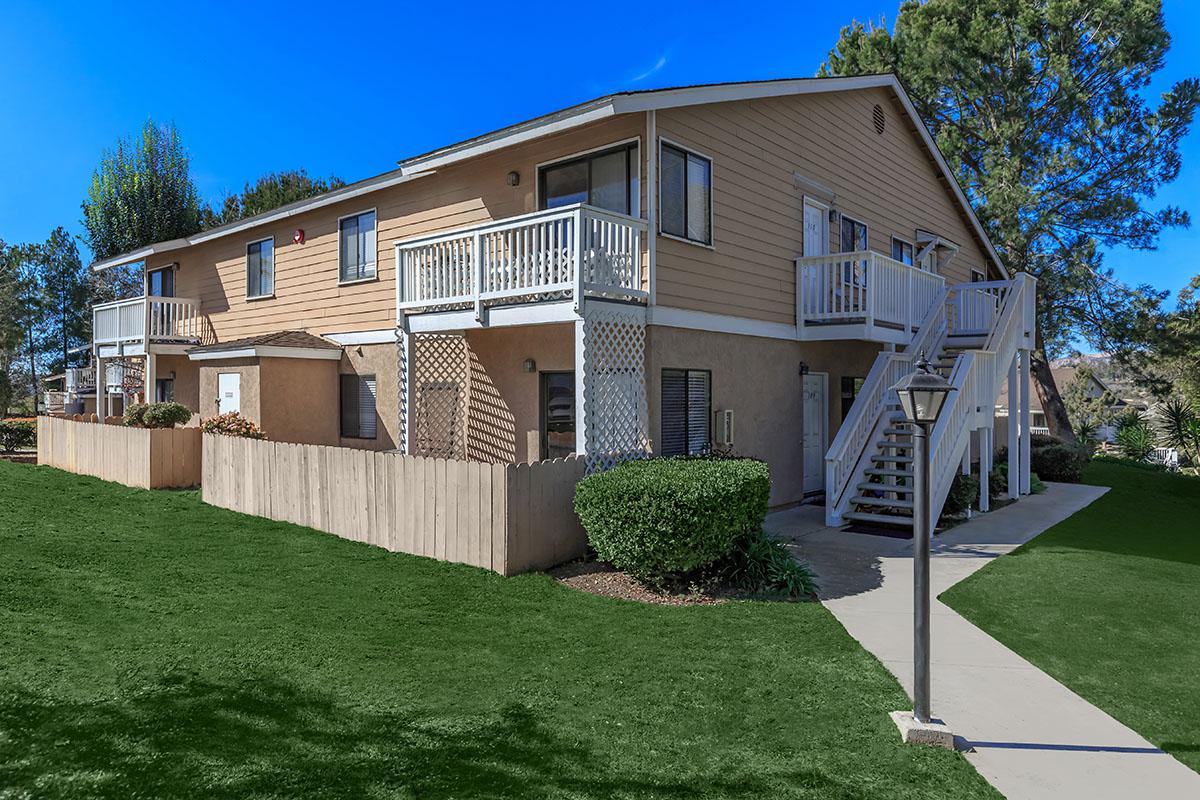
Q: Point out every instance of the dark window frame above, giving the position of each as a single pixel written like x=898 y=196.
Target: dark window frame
x=360 y=276
x=686 y=372
x=912 y=251
x=632 y=169
x=665 y=145
x=164 y=272
x=851 y=385
x=260 y=295
x=359 y=381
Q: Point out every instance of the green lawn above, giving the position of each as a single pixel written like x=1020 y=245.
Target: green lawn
x=1108 y=602
x=151 y=646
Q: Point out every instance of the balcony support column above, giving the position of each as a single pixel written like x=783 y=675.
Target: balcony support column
x=101 y=388
x=1025 y=454
x=149 y=378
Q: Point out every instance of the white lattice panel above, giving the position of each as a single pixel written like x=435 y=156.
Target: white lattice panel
x=439 y=373
x=614 y=378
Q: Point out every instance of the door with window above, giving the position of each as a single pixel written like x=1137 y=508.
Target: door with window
x=606 y=179
x=557 y=414
x=816 y=430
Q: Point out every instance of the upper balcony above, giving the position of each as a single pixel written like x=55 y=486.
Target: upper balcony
x=130 y=327
x=569 y=252
x=862 y=295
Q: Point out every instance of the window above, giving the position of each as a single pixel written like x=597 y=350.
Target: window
x=850 y=388
x=853 y=238
x=356 y=247
x=685 y=192
x=164 y=390
x=977 y=276
x=686 y=411
x=161 y=282
x=358 y=406
x=260 y=268
x=902 y=251
x=607 y=179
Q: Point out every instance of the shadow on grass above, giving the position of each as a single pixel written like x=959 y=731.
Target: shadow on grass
x=187 y=737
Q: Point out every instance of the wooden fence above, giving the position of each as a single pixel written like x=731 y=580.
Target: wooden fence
x=145 y=458
x=505 y=517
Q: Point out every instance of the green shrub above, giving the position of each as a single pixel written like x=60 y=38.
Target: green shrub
x=1059 y=462
x=998 y=481
x=1035 y=484
x=232 y=424
x=663 y=516
x=761 y=565
x=1128 y=462
x=166 y=415
x=17 y=434
x=135 y=415
x=1135 y=441
x=963 y=492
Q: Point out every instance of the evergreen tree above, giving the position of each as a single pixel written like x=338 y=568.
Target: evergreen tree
x=1038 y=106
x=269 y=192
x=66 y=299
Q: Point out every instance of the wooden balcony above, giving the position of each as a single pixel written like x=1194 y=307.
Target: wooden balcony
x=129 y=327
x=568 y=252
x=862 y=295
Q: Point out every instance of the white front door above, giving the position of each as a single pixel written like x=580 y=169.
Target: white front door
x=816 y=430
x=816 y=228
x=229 y=392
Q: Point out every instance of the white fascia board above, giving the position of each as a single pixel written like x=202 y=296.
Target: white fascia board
x=384 y=336
x=139 y=255
x=700 y=95
x=718 y=323
x=494 y=317
x=472 y=148
x=268 y=351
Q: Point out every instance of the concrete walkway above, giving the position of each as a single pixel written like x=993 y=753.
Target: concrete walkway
x=1026 y=733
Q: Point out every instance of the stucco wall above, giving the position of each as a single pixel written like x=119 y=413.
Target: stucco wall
x=759 y=379
x=187 y=378
x=248 y=369
x=300 y=400
x=378 y=360
x=504 y=401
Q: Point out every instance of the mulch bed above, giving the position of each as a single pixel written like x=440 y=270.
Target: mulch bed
x=19 y=458
x=595 y=577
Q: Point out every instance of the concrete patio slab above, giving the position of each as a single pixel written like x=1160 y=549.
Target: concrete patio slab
x=1026 y=733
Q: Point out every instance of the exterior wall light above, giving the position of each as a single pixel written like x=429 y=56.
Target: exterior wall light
x=530 y=365
x=514 y=178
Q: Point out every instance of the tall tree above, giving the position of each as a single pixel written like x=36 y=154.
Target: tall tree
x=1038 y=106
x=21 y=308
x=141 y=193
x=269 y=192
x=66 y=296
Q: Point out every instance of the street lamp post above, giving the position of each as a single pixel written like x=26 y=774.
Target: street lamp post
x=922 y=395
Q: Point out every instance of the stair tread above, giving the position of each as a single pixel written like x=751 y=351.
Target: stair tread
x=893 y=459
x=885 y=471
x=864 y=500
x=883 y=487
x=898 y=445
x=885 y=519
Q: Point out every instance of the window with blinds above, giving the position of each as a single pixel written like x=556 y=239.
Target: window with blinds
x=260 y=268
x=358 y=407
x=686 y=411
x=356 y=246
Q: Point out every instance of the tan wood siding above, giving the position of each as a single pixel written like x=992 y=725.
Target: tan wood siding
x=307 y=295
x=886 y=181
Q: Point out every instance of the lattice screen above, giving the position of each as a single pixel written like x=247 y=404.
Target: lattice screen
x=440 y=375
x=614 y=370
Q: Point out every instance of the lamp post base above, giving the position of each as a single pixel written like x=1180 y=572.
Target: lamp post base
x=934 y=733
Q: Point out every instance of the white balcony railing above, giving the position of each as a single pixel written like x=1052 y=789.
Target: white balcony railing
x=146 y=319
x=863 y=287
x=575 y=250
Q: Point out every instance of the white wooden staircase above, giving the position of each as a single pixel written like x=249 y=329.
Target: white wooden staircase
x=971 y=334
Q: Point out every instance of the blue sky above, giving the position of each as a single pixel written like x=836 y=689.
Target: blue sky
x=281 y=86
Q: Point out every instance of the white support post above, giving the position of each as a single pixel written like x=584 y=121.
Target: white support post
x=149 y=378
x=868 y=281
x=101 y=388
x=651 y=203
x=477 y=274
x=580 y=239
x=1014 y=447
x=985 y=468
x=582 y=404
x=1024 y=386
x=404 y=375
x=966 y=460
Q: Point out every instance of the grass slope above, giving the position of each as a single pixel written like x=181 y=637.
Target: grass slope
x=152 y=646
x=1108 y=602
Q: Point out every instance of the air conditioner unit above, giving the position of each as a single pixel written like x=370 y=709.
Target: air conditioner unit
x=723 y=427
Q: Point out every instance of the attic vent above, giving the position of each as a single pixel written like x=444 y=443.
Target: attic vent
x=877 y=115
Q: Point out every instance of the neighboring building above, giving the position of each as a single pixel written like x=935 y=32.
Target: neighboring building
x=1063 y=375
x=746 y=267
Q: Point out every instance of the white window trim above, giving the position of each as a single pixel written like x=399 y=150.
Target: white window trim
x=274 y=275
x=637 y=197
x=712 y=193
x=338 y=231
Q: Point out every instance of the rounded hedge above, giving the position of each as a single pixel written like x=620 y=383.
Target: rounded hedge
x=656 y=517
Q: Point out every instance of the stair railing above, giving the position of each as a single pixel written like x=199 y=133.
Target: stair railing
x=976 y=378
x=845 y=458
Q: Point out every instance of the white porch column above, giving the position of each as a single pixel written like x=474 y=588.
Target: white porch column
x=100 y=385
x=985 y=468
x=149 y=377
x=1014 y=447
x=404 y=375
x=1024 y=380
x=966 y=460
x=582 y=401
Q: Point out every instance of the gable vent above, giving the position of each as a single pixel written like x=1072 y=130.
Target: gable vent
x=877 y=115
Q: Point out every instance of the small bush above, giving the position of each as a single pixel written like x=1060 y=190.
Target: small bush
x=963 y=492
x=761 y=565
x=663 y=516
x=1059 y=462
x=1135 y=441
x=166 y=415
x=135 y=415
x=998 y=481
x=1035 y=484
x=17 y=434
x=232 y=424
